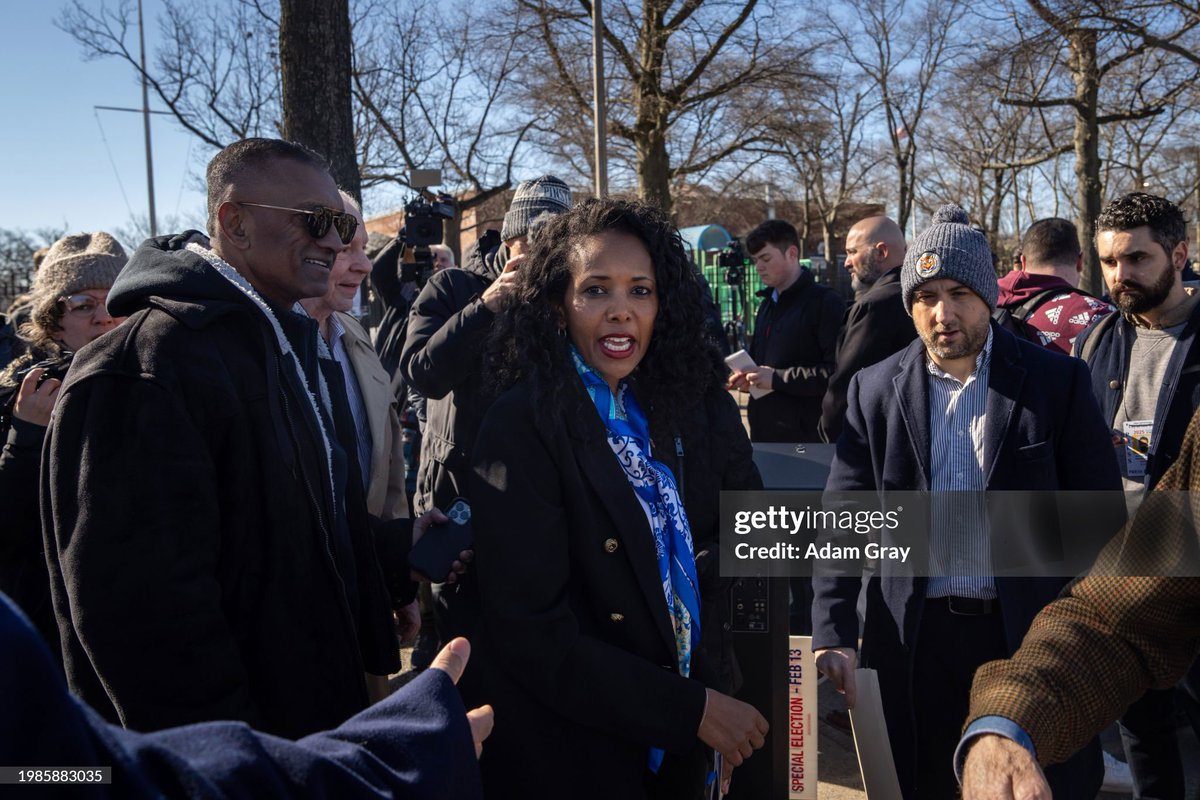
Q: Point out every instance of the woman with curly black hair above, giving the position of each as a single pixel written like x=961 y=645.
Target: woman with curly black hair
x=597 y=473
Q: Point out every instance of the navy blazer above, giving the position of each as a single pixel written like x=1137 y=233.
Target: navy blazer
x=415 y=744
x=1043 y=431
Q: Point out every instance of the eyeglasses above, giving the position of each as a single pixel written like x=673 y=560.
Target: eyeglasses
x=319 y=221
x=81 y=305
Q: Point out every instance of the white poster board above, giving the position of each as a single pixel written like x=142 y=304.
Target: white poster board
x=802 y=720
x=871 y=739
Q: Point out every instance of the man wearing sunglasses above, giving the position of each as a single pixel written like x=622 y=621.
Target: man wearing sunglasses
x=211 y=554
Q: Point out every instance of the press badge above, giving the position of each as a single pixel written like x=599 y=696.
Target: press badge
x=1136 y=438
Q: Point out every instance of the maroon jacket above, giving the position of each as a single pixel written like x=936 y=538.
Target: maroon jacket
x=1060 y=317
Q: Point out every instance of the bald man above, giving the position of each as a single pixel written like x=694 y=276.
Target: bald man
x=876 y=325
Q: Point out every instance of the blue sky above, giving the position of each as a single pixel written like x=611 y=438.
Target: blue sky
x=55 y=166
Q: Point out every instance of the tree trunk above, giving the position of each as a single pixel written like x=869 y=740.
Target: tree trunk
x=996 y=207
x=904 y=172
x=1089 y=191
x=314 y=63
x=654 y=169
x=833 y=274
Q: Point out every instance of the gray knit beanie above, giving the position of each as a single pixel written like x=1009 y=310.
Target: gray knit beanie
x=950 y=248
x=74 y=263
x=546 y=194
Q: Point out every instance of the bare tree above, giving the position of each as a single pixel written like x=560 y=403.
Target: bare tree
x=825 y=146
x=218 y=74
x=900 y=47
x=680 y=78
x=985 y=147
x=439 y=101
x=1113 y=61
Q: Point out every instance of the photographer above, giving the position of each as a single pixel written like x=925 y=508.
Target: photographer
x=398 y=282
x=67 y=310
x=442 y=359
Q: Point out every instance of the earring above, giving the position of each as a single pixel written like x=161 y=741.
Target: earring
x=562 y=331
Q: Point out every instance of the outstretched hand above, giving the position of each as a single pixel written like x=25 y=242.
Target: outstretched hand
x=452 y=660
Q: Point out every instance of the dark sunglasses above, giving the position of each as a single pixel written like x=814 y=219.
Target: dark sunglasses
x=319 y=221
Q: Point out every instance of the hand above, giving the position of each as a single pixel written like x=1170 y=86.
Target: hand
x=738 y=381
x=997 y=768
x=35 y=403
x=496 y=296
x=732 y=728
x=420 y=528
x=408 y=622
x=460 y=566
x=761 y=377
x=452 y=660
x=839 y=663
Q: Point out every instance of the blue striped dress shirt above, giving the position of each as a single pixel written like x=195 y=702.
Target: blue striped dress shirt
x=960 y=543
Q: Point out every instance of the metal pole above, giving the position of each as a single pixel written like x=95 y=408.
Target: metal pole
x=146 y=124
x=600 y=102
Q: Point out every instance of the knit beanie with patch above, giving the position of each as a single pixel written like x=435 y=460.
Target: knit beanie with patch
x=546 y=194
x=77 y=262
x=950 y=248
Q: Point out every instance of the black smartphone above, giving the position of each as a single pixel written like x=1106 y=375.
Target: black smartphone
x=439 y=548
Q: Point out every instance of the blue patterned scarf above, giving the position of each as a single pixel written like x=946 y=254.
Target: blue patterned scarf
x=652 y=482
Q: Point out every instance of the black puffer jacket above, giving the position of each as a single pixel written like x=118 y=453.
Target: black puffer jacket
x=443 y=360
x=186 y=494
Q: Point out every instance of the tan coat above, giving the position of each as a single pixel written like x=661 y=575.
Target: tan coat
x=385 y=489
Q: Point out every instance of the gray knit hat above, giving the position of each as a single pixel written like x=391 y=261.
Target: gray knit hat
x=950 y=248
x=74 y=263
x=546 y=194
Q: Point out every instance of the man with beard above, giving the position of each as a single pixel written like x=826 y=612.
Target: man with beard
x=876 y=325
x=966 y=409
x=1145 y=367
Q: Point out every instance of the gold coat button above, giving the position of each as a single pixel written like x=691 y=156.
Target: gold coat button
x=617 y=617
x=1114 y=384
x=610 y=545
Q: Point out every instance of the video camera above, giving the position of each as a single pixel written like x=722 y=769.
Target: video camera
x=423 y=226
x=734 y=261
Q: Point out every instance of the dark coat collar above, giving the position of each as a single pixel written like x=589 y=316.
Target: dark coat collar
x=1006 y=376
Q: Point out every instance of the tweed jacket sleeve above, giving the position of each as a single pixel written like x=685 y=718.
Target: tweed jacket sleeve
x=1132 y=624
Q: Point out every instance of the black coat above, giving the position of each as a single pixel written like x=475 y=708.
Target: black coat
x=23 y=575
x=186 y=497
x=797 y=335
x=1108 y=343
x=442 y=359
x=579 y=648
x=875 y=327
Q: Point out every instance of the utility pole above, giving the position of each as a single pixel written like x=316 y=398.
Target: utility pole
x=599 y=102
x=146 y=124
